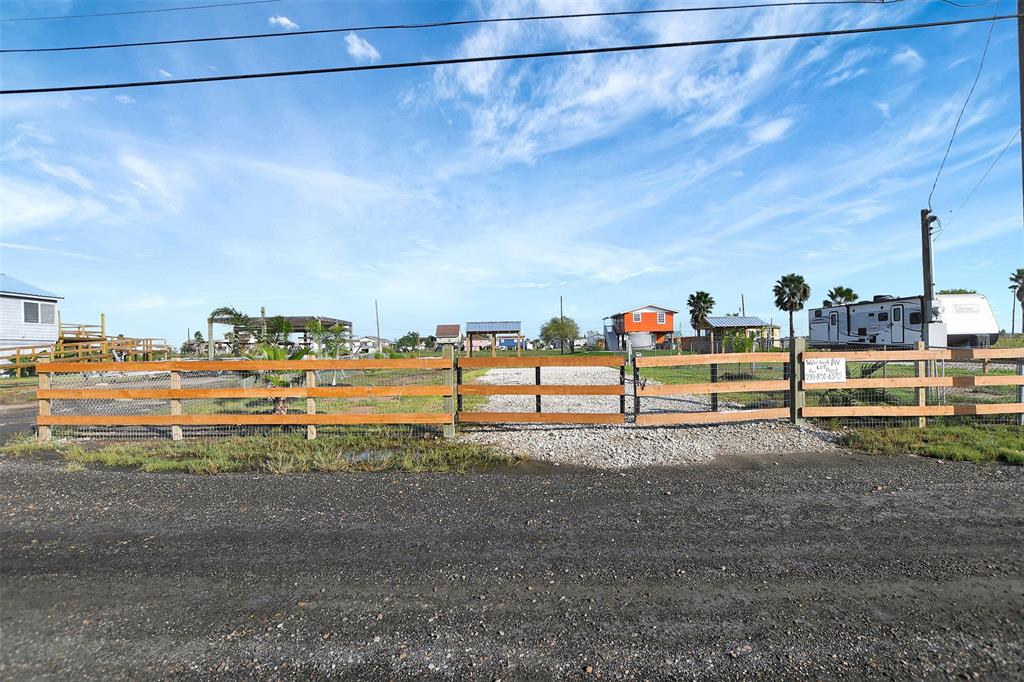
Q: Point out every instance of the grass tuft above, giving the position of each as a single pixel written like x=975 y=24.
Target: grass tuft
x=278 y=454
x=959 y=443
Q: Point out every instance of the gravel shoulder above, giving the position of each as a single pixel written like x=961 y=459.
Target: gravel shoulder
x=617 y=447
x=815 y=565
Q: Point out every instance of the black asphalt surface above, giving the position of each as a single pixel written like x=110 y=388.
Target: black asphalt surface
x=824 y=566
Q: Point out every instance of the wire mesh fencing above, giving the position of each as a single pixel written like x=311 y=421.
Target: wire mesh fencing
x=183 y=399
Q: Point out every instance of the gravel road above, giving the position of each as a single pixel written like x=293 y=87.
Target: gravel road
x=823 y=566
x=616 y=447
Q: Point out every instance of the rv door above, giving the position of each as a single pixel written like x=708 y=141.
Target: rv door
x=833 y=326
x=898 y=335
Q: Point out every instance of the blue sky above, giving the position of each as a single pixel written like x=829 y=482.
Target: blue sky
x=485 y=191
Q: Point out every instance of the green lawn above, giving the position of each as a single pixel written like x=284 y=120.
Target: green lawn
x=366 y=450
x=17 y=391
x=960 y=443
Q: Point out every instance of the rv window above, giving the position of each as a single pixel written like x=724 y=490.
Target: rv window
x=862 y=331
x=31 y=312
x=833 y=319
x=897 y=314
x=817 y=313
x=882 y=317
x=915 y=318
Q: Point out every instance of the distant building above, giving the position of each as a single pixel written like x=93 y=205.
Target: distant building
x=448 y=334
x=490 y=334
x=371 y=344
x=647 y=327
x=29 y=316
x=764 y=334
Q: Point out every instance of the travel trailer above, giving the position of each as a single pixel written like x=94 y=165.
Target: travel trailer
x=891 y=321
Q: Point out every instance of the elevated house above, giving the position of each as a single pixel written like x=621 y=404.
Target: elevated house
x=29 y=316
x=650 y=326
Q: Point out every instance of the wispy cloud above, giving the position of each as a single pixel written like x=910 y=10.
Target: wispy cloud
x=164 y=73
x=125 y=99
x=43 y=249
x=360 y=49
x=283 y=22
x=909 y=58
x=885 y=108
x=772 y=131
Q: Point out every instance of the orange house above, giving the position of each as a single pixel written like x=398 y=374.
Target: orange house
x=650 y=319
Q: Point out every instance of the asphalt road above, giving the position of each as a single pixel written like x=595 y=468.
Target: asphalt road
x=818 y=565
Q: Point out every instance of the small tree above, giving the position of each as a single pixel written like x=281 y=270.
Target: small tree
x=241 y=327
x=841 y=295
x=700 y=305
x=411 y=340
x=559 y=330
x=278 y=379
x=791 y=292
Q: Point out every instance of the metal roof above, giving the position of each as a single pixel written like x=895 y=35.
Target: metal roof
x=507 y=327
x=13 y=285
x=447 y=330
x=735 y=321
x=650 y=305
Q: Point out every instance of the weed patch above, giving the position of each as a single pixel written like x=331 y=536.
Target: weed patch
x=959 y=443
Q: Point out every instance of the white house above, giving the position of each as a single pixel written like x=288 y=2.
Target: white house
x=370 y=344
x=28 y=315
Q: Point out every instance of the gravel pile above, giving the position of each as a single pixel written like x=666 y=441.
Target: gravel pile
x=616 y=447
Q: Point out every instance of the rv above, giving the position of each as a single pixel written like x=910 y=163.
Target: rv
x=891 y=321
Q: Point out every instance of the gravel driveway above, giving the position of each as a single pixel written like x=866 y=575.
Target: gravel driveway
x=616 y=447
x=828 y=566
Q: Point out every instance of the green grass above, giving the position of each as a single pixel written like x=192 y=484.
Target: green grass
x=279 y=454
x=1010 y=342
x=15 y=391
x=960 y=443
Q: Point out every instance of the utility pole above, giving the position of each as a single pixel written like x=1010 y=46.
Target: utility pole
x=1020 y=75
x=561 y=327
x=743 y=301
x=926 y=265
x=376 y=314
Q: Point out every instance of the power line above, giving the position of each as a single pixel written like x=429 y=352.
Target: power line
x=982 y=179
x=140 y=11
x=956 y=125
x=442 y=24
x=503 y=58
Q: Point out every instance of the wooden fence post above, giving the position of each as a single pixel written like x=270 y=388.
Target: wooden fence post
x=17 y=362
x=43 y=430
x=176 y=433
x=636 y=389
x=921 y=370
x=1020 y=389
x=448 y=353
x=797 y=397
x=310 y=400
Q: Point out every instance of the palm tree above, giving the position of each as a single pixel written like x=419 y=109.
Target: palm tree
x=841 y=295
x=278 y=379
x=700 y=304
x=238 y=320
x=791 y=292
x=1017 y=288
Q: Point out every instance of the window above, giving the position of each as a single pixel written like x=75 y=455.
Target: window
x=883 y=317
x=636 y=317
x=817 y=313
x=31 y=312
x=915 y=318
x=897 y=314
x=833 y=319
x=38 y=313
x=661 y=318
x=862 y=331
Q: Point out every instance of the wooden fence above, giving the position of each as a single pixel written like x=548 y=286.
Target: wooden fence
x=538 y=389
x=175 y=371
x=167 y=381
x=17 y=359
x=713 y=388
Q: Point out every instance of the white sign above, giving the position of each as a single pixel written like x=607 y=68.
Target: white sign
x=825 y=370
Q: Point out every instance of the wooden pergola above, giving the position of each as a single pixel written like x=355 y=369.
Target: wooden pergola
x=495 y=330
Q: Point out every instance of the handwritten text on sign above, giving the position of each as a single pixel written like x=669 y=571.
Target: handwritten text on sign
x=825 y=370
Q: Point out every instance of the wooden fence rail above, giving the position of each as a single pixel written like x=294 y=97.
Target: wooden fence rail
x=168 y=375
x=538 y=389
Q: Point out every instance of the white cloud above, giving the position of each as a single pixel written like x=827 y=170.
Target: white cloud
x=909 y=58
x=360 y=49
x=31 y=205
x=125 y=99
x=283 y=22
x=885 y=108
x=772 y=131
x=166 y=74
x=43 y=249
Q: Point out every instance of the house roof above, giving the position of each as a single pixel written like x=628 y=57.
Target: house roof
x=731 y=321
x=658 y=307
x=13 y=285
x=447 y=330
x=506 y=327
